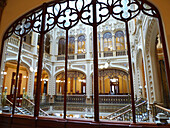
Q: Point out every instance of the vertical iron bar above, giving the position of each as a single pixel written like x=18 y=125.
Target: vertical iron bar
x=1 y=53
x=40 y=60
x=95 y=61
x=103 y=85
x=65 y=87
x=130 y=70
x=164 y=51
x=17 y=75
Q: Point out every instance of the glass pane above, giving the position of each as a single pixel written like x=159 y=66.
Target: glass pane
x=53 y=78
x=25 y=87
x=79 y=88
x=150 y=83
x=113 y=76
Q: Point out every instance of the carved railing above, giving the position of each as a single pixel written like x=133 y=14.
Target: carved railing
x=71 y=56
x=159 y=109
x=115 y=99
x=118 y=53
x=60 y=57
x=13 y=40
x=80 y=107
x=141 y=114
x=71 y=98
x=11 y=104
x=103 y=99
x=27 y=47
x=124 y=109
x=81 y=56
x=121 y=52
x=127 y=107
x=30 y=106
x=108 y=53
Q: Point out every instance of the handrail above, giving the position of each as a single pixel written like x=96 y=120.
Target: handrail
x=34 y=105
x=121 y=109
x=28 y=110
x=141 y=104
x=121 y=114
x=15 y=106
x=118 y=110
x=165 y=109
x=138 y=100
x=29 y=101
x=128 y=110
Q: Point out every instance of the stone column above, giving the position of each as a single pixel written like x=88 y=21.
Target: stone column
x=114 y=45
x=34 y=42
x=76 y=47
x=52 y=49
x=125 y=40
x=88 y=82
x=98 y=48
x=30 y=87
x=56 y=50
x=52 y=81
x=31 y=77
x=87 y=45
x=102 y=47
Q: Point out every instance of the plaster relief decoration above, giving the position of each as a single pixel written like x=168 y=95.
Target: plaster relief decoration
x=10 y=54
x=80 y=30
x=49 y=67
x=29 y=61
x=80 y=66
x=58 y=68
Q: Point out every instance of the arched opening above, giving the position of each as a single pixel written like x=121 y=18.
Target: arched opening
x=61 y=48
x=9 y=81
x=81 y=44
x=76 y=83
x=120 y=43
x=113 y=82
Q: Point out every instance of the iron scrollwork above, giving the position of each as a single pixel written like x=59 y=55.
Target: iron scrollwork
x=149 y=10
x=30 y=21
x=67 y=14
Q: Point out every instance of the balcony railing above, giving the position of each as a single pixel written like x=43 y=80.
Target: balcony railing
x=71 y=99
x=103 y=99
x=14 y=41
x=111 y=53
x=71 y=57
x=115 y=99
x=121 y=52
x=27 y=47
x=81 y=56
x=108 y=53
x=156 y=108
x=60 y=57
x=47 y=56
